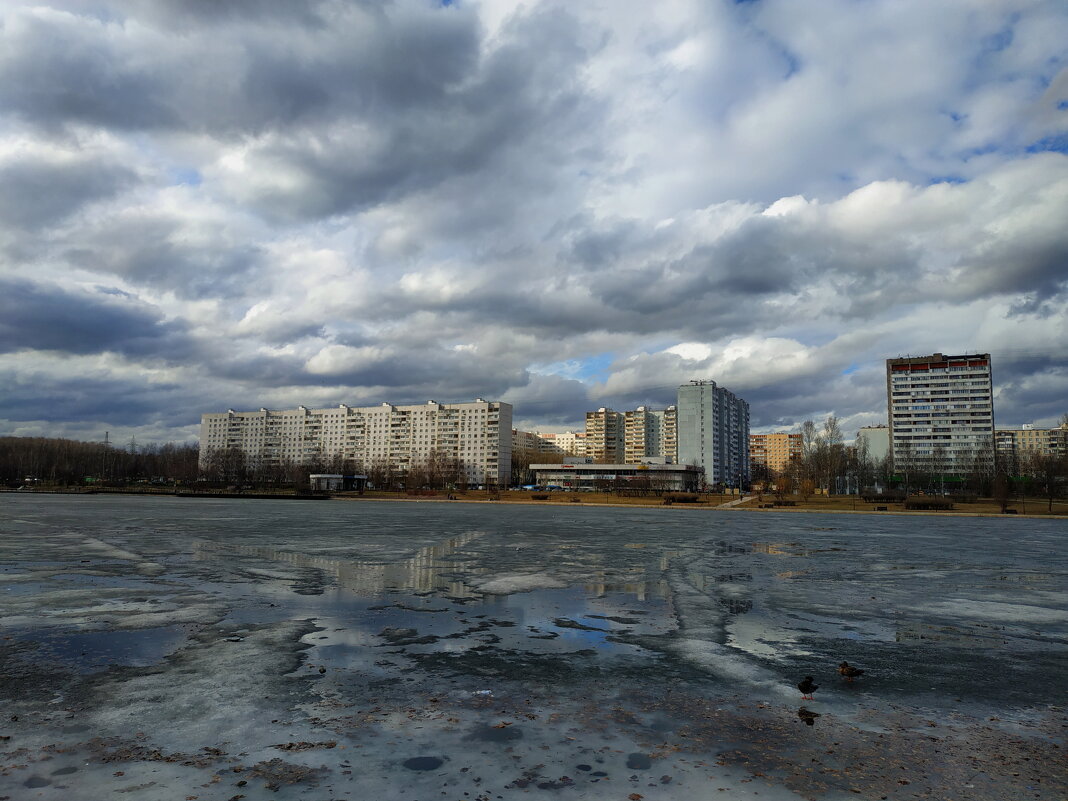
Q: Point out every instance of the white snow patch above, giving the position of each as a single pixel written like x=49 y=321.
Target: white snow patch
x=725 y=662
x=506 y=585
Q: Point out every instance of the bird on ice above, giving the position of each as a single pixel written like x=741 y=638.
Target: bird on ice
x=807 y=687
x=849 y=671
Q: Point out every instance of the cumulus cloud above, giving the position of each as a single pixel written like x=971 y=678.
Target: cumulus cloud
x=561 y=205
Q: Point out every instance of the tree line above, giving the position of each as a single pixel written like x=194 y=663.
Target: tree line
x=826 y=464
x=68 y=462
x=434 y=470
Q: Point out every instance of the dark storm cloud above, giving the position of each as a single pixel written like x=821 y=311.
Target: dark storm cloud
x=380 y=102
x=415 y=371
x=58 y=69
x=447 y=115
x=45 y=317
x=358 y=61
x=552 y=400
x=616 y=278
x=101 y=399
x=36 y=192
x=195 y=257
x=789 y=402
x=762 y=258
x=1036 y=269
x=191 y=13
x=1032 y=384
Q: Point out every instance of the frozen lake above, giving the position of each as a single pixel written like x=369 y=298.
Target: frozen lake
x=167 y=648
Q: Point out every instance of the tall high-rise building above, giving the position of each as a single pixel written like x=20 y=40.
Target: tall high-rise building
x=773 y=451
x=650 y=434
x=604 y=436
x=477 y=434
x=713 y=432
x=941 y=412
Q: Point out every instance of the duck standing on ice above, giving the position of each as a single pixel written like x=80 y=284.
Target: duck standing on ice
x=849 y=671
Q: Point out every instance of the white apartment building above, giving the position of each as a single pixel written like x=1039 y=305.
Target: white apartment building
x=650 y=434
x=877 y=439
x=528 y=441
x=941 y=412
x=478 y=434
x=568 y=443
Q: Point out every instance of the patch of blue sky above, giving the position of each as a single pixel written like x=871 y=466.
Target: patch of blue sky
x=979 y=151
x=793 y=64
x=947 y=179
x=186 y=176
x=111 y=290
x=593 y=368
x=1055 y=144
x=996 y=42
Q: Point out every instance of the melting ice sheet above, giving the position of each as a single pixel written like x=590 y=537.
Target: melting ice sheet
x=161 y=648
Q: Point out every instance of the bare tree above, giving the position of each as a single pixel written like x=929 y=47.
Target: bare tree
x=522 y=459
x=1002 y=489
x=789 y=477
x=1049 y=471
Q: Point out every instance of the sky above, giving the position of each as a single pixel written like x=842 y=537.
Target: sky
x=562 y=205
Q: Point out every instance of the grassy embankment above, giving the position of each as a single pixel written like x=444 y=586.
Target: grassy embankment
x=817 y=503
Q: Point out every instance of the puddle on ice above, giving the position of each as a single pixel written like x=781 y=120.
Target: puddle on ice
x=476 y=653
x=87 y=652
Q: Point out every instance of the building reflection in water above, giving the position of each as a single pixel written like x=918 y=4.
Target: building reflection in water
x=426 y=571
x=431 y=569
x=980 y=635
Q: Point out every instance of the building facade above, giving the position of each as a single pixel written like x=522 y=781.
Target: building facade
x=941 y=412
x=528 y=441
x=773 y=451
x=650 y=435
x=877 y=440
x=713 y=432
x=566 y=443
x=605 y=436
x=477 y=434
x=643 y=477
x=1014 y=445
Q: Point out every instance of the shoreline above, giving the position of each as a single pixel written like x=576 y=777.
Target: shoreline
x=735 y=507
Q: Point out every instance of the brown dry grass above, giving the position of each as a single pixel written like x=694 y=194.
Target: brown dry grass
x=817 y=503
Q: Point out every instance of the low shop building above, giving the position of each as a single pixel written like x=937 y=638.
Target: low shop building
x=587 y=476
x=335 y=482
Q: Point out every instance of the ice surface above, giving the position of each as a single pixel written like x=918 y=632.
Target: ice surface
x=160 y=648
